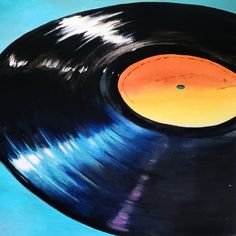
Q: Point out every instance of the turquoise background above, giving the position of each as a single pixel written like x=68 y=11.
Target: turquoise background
x=22 y=213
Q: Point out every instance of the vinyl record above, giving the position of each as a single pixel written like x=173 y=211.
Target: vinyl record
x=123 y=118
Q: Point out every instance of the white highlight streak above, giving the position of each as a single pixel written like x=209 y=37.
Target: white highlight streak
x=13 y=62
x=48 y=152
x=52 y=64
x=92 y=27
x=22 y=164
x=34 y=159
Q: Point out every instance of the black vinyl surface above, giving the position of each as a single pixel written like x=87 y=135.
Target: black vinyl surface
x=67 y=135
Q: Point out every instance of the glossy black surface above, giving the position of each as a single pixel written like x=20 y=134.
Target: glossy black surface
x=67 y=135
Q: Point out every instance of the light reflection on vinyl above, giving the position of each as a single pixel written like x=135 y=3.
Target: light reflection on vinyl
x=126 y=146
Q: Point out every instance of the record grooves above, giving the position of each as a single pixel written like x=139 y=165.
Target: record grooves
x=71 y=135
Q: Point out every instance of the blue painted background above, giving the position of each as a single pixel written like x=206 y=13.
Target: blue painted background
x=22 y=213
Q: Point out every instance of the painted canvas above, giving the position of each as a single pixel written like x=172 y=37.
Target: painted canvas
x=117 y=118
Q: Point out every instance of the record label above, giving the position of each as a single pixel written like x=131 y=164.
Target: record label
x=180 y=90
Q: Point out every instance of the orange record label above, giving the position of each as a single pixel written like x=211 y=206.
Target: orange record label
x=180 y=90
